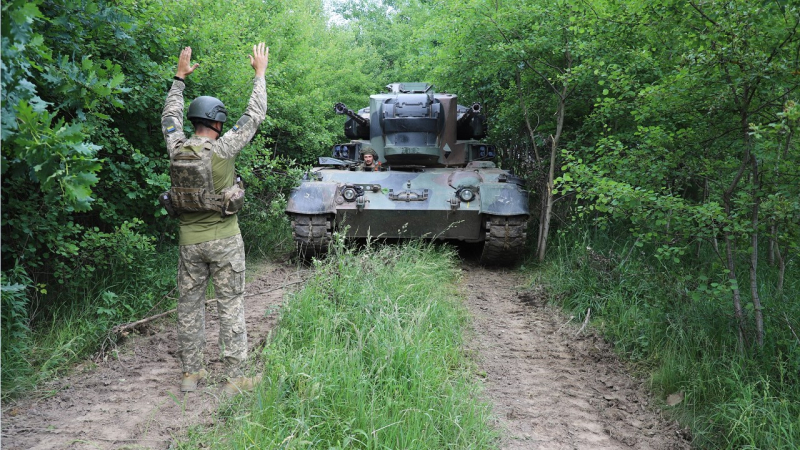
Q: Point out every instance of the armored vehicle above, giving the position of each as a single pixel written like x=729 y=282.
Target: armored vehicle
x=432 y=178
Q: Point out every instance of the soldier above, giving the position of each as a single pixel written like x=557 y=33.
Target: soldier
x=210 y=242
x=370 y=163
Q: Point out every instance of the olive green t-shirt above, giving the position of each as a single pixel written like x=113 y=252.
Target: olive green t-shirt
x=206 y=226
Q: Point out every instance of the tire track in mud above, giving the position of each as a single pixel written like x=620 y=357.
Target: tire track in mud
x=551 y=387
x=131 y=398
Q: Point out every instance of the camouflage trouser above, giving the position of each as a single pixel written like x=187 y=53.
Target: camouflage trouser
x=223 y=260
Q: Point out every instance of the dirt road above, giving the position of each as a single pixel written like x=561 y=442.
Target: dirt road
x=552 y=388
x=131 y=398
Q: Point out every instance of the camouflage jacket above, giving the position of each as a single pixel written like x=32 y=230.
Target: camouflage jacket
x=205 y=226
x=230 y=143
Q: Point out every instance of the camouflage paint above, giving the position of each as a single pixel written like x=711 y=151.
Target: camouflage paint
x=434 y=216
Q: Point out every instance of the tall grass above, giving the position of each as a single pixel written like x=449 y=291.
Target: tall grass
x=368 y=355
x=77 y=327
x=682 y=336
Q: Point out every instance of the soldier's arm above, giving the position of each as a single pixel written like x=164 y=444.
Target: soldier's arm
x=172 y=116
x=229 y=145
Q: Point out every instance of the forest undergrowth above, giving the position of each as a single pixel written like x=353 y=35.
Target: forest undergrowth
x=673 y=322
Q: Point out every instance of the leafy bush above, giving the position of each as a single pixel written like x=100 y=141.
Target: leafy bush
x=268 y=180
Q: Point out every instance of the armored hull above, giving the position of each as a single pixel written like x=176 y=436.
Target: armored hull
x=471 y=202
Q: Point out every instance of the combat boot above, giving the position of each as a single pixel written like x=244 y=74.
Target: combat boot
x=190 y=380
x=240 y=384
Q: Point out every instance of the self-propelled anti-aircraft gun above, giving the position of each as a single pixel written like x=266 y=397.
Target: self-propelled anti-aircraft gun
x=433 y=178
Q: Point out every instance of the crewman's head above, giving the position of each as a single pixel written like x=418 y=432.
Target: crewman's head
x=368 y=154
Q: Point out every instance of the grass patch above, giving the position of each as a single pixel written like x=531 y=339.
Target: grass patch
x=77 y=327
x=266 y=230
x=368 y=355
x=682 y=336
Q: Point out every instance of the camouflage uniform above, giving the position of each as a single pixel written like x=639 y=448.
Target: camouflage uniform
x=223 y=261
x=211 y=245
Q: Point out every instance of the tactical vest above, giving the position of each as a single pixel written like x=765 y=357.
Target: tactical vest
x=193 y=184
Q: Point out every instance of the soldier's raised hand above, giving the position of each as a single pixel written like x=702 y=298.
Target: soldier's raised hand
x=260 y=58
x=185 y=67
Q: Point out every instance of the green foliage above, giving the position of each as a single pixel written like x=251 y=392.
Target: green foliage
x=673 y=321
x=38 y=145
x=268 y=179
x=62 y=90
x=131 y=285
x=367 y=355
x=62 y=83
x=16 y=330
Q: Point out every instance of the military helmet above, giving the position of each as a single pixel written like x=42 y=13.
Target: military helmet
x=208 y=108
x=368 y=151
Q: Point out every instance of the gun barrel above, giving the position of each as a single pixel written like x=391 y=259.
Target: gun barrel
x=340 y=108
x=472 y=111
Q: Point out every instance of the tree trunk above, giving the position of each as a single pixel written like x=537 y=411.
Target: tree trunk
x=544 y=226
x=531 y=130
x=729 y=251
x=700 y=241
x=773 y=232
x=781 y=269
x=737 y=299
x=542 y=217
x=759 y=314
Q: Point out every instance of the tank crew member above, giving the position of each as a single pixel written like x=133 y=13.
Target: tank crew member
x=370 y=158
x=210 y=242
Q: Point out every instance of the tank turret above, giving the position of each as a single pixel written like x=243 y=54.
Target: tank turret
x=412 y=125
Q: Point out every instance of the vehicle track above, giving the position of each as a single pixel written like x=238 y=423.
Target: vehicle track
x=551 y=385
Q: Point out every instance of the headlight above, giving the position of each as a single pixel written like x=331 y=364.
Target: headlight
x=349 y=194
x=466 y=195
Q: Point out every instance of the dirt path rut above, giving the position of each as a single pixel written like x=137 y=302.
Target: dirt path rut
x=131 y=399
x=551 y=388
